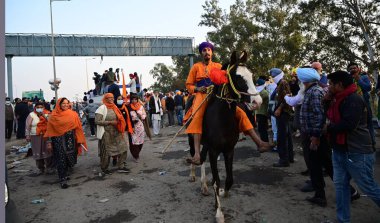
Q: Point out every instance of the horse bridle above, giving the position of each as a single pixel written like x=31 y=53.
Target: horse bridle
x=224 y=90
x=238 y=93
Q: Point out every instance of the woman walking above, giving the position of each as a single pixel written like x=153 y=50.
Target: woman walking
x=67 y=139
x=110 y=132
x=138 y=115
x=36 y=125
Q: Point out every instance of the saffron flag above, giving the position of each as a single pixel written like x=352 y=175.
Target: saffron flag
x=124 y=87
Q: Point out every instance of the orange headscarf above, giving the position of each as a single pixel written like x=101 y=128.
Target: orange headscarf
x=42 y=124
x=120 y=122
x=135 y=105
x=61 y=122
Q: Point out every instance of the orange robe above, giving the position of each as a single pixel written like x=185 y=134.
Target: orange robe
x=198 y=72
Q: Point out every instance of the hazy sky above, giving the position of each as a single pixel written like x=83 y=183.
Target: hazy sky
x=103 y=17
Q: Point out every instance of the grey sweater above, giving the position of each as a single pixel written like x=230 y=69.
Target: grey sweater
x=90 y=110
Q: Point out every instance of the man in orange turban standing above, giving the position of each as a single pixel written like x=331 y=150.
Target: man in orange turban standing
x=197 y=83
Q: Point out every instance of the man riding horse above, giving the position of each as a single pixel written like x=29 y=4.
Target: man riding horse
x=197 y=83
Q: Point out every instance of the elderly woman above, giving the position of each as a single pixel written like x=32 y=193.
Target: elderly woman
x=66 y=138
x=110 y=132
x=36 y=125
x=138 y=115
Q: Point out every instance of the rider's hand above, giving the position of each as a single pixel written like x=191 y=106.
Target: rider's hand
x=202 y=89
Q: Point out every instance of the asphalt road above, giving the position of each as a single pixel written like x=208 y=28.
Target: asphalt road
x=260 y=192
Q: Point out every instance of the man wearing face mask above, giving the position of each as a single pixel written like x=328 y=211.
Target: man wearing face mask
x=9 y=117
x=90 y=110
x=36 y=125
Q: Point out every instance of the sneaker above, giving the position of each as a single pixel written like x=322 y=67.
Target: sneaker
x=318 y=201
x=308 y=187
x=107 y=172
x=64 y=184
x=123 y=170
x=355 y=196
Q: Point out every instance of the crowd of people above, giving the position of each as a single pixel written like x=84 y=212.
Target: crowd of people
x=57 y=131
x=332 y=115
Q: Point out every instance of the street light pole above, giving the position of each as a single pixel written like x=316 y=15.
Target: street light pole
x=88 y=88
x=53 y=51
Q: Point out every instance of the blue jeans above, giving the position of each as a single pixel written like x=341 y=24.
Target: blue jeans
x=179 y=114
x=359 y=167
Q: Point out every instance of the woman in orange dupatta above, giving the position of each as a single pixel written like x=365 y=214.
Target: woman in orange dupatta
x=110 y=132
x=36 y=125
x=138 y=115
x=66 y=138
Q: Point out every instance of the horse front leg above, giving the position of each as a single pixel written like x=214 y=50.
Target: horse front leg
x=228 y=161
x=219 y=216
x=214 y=170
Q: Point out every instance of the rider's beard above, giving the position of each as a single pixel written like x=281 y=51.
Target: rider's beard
x=207 y=58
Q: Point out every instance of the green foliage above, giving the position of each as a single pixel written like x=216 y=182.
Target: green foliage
x=268 y=29
x=293 y=32
x=164 y=77
x=343 y=31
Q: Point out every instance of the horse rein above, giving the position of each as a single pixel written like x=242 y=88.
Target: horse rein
x=238 y=93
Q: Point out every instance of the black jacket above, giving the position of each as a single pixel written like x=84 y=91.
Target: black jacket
x=353 y=122
x=170 y=104
x=178 y=100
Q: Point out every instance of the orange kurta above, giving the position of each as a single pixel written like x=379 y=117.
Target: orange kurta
x=198 y=72
x=243 y=121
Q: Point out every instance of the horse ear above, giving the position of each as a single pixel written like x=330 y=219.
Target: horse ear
x=224 y=66
x=234 y=58
x=243 y=57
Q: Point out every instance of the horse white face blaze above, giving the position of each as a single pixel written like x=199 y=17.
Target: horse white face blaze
x=247 y=76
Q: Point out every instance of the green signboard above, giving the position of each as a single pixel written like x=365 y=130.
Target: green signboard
x=32 y=94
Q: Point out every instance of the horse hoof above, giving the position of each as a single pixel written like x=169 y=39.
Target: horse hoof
x=192 y=179
x=205 y=192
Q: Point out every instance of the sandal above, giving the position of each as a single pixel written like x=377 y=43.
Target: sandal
x=64 y=185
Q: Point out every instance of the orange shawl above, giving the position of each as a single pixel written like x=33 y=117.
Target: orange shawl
x=120 y=122
x=136 y=106
x=130 y=129
x=42 y=124
x=61 y=122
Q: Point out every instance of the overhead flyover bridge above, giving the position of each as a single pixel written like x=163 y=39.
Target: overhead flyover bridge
x=71 y=45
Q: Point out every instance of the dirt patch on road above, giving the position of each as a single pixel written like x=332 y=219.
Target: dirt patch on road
x=124 y=186
x=149 y=171
x=245 y=152
x=259 y=175
x=174 y=155
x=121 y=216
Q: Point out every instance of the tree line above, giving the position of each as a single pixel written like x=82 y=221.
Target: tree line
x=283 y=33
